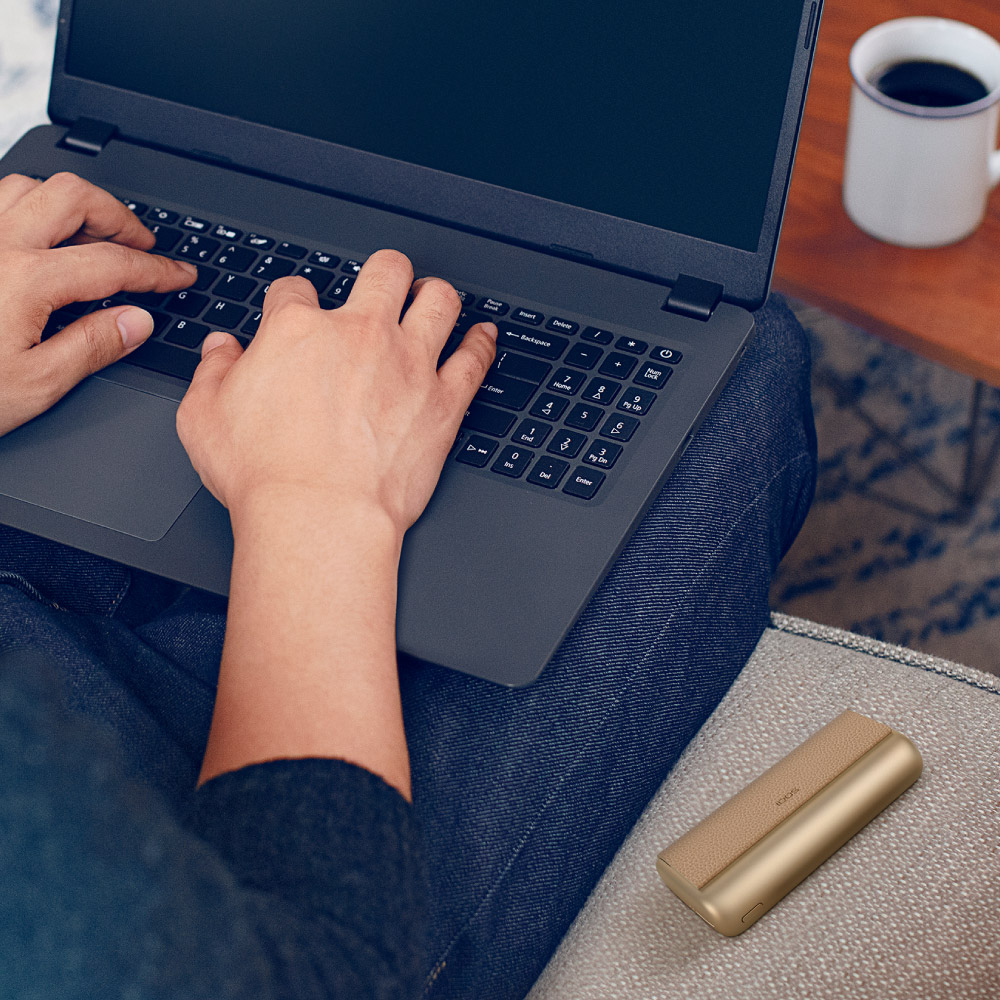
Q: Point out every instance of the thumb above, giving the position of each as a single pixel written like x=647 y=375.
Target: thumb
x=91 y=343
x=219 y=352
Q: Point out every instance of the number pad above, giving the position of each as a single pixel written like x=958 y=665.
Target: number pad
x=601 y=390
x=513 y=461
x=621 y=428
x=637 y=402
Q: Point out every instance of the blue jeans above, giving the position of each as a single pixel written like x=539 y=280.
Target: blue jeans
x=524 y=795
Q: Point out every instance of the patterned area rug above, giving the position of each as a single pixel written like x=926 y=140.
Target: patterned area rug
x=930 y=582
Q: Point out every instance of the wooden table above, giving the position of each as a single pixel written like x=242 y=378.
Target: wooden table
x=943 y=303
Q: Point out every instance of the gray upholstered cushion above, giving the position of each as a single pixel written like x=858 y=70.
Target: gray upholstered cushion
x=907 y=909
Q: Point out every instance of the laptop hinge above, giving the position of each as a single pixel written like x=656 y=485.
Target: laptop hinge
x=693 y=297
x=88 y=135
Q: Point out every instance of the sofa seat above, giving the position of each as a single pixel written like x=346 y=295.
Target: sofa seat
x=907 y=909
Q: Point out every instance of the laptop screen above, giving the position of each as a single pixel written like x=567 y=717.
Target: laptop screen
x=666 y=113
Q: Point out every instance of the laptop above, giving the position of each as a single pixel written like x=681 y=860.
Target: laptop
x=606 y=184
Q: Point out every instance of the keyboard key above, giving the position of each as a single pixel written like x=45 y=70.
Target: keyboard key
x=351 y=266
x=601 y=390
x=619 y=427
x=258 y=299
x=584 y=356
x=532 y=432
x=567 y=443
x=562 y=325
x=567 y=381
x=584 y=483
x=477 y=451
x=135 y=206
x=225 y=315
x=235 y=258
x=160 y=322
x=187 y=303
x=637 y=401
x=319 y=278
x=518 y=366
x=58 y=321
x=545 y=345
x=494 y=307
x=467 y=297
x=450 y=346
x=468 y=318
x=166 y=238
x=487 y=419
x=586 y=416
x=504 y=391
x=227 y=233
x=159 y=357
x=186 y=333
x=632 y=346
x=323 y=259
x=531 y=316
x=261 y=243
x=603 y=454
x=163 y=216
x=148 y=300
x=653 y=375
x=206 y=276
x=271 y=268
x=341 y=289
x=198 y=225
x=617 y=365
x=597 y=336
x=291 y=250
x=666 y=354
x=234 y=287
x=79 y=308
x=513 y=461
x=547 y=472
x=199 y=248
x=548 y=406
x=252 y=325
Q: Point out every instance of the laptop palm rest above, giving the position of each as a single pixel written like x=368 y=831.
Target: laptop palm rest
x=120 y=464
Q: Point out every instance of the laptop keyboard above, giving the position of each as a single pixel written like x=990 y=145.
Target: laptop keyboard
x=557 y=409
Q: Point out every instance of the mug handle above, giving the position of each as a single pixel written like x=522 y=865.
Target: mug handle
x=995 y=168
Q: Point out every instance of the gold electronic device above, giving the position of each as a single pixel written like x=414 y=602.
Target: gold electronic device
x=754 y=849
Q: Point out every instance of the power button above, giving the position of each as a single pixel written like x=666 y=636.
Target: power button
x=752 y=915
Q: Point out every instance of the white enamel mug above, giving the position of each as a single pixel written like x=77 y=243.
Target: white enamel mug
x=920 y=176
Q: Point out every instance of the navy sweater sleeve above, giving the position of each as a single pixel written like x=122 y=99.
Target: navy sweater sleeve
x=327 y=855
x=293 y=879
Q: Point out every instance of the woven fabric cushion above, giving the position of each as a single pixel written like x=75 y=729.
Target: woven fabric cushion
x=907 y=909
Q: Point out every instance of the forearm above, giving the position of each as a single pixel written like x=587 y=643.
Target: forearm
x=309 y=662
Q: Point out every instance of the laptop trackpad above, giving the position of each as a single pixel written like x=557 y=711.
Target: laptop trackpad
x=107 y=454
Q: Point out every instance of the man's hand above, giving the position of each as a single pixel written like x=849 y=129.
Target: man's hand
x=105 y=256
x=346 y=409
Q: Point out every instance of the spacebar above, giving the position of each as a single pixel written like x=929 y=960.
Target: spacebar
x=160 y=358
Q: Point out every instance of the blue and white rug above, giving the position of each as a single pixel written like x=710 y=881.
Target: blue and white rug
x=931 y=583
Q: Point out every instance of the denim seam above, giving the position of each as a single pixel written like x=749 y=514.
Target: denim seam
x=643 y=662
x=20 y=583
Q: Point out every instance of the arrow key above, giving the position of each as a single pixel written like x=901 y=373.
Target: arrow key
x=567 y=444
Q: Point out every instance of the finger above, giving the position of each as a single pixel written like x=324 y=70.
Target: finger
x=288 y=291
x=13 y=188
x=88 y=345
x=88 y=273
x=433 y=312
x=463 y=373
x=219 y=352
x=66 y=205
x=382 y=286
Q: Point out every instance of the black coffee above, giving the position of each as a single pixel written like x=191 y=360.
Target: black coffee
x=930 y=84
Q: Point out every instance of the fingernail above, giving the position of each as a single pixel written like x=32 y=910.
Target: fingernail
x=491 y=330
x=212 y=341
x=190 y=268
x=135 y=325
